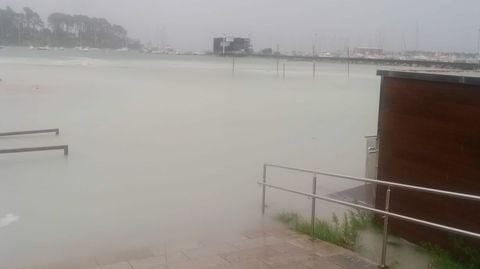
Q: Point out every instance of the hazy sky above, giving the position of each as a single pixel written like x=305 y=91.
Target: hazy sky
x=445 y=25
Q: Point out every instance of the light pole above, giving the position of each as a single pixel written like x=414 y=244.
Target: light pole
x=478 y=49
x=224 y=43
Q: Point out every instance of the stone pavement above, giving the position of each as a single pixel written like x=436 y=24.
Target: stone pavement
x=261 y=248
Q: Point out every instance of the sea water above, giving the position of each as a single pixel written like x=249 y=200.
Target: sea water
x=165 y=147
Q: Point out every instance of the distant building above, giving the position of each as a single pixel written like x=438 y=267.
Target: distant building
x=231 y=45
x=267 y=51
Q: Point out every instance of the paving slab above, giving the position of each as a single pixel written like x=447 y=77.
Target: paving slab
x=251 y=254
x=120 y=265
x=176 y=257
x=79 y=263
x=349 y=261
x=122 y=256
x=155 y=262
x=200 y=263
x=320 y=262
x=252 y=264
x=209 y=250
x=318 y=247
x=255 y=242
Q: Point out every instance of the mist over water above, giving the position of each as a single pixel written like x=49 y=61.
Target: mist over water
x=166 y=147
x=436 y=25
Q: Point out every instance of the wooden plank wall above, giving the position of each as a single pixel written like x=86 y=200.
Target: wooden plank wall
x=430 y=136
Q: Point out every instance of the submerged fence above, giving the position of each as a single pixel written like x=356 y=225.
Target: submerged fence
x=56 y=131
x=33 y=149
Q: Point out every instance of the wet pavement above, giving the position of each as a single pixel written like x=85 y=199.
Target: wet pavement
x=260 y=248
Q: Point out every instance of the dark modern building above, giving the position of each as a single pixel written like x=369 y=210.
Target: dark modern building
x=231 y=45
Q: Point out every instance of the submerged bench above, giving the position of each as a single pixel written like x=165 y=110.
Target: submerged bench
x=19 y=150
x=56 y=131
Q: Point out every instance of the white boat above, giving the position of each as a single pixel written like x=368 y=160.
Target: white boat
x=171 y=51
x=122 y=49
x=43 y=48
x=86 y=49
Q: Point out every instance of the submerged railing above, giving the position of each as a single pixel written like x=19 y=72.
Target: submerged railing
x=386 y=213
x=32 y=149
x=19 y=150
x=56 y=131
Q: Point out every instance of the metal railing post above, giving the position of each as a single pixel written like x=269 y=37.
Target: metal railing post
x=385 y=230
x=264 y=187
x=314 y=192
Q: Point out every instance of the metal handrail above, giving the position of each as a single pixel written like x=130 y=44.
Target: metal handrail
x=32 y=149
x=386 y=213
x=385 y=183
x=56 y=131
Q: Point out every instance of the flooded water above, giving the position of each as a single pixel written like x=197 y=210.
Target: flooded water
x=165 y=147
x=400 y=253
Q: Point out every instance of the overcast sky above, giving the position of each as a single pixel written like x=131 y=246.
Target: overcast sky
x=444 y=25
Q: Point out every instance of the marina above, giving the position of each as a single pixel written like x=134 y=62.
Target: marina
x=315 y=134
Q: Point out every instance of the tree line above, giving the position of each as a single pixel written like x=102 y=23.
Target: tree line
x=26 y=28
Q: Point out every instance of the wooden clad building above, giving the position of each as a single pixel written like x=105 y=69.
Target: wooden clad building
x=429 y=135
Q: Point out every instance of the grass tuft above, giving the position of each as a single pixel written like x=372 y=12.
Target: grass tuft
x=442 y=259
x=342 y=233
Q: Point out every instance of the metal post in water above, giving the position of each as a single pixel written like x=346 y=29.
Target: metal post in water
x=314 y=55
x=278 y=61
x=314 y=192
x=264 y=188
x=478 y=49
x=283 y=70
x=385 y=230
x=278 y=68
x=348 y=62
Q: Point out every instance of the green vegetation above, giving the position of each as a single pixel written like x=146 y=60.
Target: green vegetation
x=26 y=28
x=468 y=257
x=342 y=233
